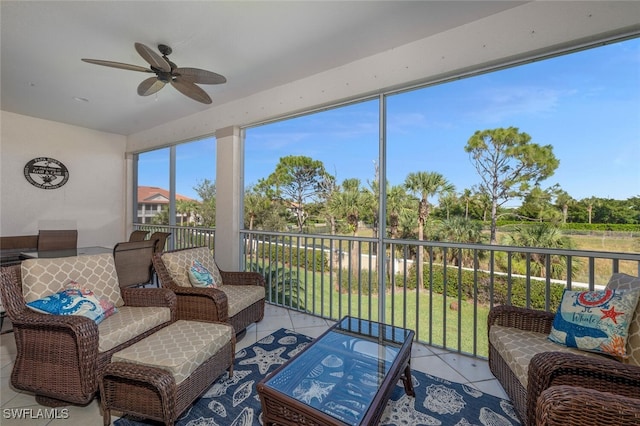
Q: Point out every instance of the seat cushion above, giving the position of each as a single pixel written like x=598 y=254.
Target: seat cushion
x=240 y=297
x=129 y=322
x=178 y=348
x=517 y=347
x=179 y=262
x=96 y=272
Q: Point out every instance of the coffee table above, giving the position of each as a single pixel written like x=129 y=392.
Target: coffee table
x=344 y=377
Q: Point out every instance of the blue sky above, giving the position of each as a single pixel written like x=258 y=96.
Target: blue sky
x=586 y=105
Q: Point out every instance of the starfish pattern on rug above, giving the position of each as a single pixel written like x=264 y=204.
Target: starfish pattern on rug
x=265 y=359
x=234 y=401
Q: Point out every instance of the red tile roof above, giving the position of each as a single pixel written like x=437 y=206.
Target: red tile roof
x=153 y=194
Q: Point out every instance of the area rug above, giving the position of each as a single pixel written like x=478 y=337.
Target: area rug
x=235 y=402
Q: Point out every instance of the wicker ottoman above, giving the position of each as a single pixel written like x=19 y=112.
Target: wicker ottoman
x=160 y=376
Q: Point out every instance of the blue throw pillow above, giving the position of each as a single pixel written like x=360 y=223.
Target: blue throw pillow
x=74 y=300
x=596 y=321
x=199 y=276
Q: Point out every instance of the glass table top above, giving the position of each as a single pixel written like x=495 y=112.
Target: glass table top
x=341 y=372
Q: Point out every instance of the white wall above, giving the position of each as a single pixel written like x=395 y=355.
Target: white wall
x=93 y=200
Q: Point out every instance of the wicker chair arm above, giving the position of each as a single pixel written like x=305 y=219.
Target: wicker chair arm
x=521 y=318
x=559 y=368
x=242 y=278
x=198 y=303
x=573 y=405
x=148 y=297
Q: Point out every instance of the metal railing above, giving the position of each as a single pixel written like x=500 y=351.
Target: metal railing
x=182 y=236
x=333 y=276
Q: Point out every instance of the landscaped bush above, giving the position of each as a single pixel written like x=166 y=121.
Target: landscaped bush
x=503 y=290
x=293 y=256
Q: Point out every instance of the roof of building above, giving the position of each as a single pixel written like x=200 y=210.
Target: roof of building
x=153 y=194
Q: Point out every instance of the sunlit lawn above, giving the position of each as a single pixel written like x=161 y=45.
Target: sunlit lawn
x=425 y=313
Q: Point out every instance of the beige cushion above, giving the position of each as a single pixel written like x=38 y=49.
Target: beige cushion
x=97 y=272
x=129 y=322
x=240 y=297
x=517 y=347
x=179 y=262
x=179 y=348
x=629 y=282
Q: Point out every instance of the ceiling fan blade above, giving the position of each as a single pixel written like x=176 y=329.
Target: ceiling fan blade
x=150 y=86
x=196 y=75
x=117 y=65
x=189 y=89
x=155 y=60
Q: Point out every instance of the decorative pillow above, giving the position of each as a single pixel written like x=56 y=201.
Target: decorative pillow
x=75 y=300
x=621 y=281
x=595 y=321
x=199 y=276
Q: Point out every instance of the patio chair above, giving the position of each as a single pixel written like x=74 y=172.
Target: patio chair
x=54 y=239
x=60 y=357
x=527 y=363
x=161 y=238
x=133 y=262
x=238 y=299
x=138 y=235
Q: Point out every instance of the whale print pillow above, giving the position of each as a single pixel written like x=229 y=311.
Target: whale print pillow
x=199 y=276
x=596 y=321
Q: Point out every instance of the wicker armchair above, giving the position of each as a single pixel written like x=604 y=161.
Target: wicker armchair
x=573 y=405
x=571 y=389
x=549 y=369
x=61 y=357
x=239 y=301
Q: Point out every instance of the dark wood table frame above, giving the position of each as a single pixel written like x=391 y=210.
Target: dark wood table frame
x=282 y=409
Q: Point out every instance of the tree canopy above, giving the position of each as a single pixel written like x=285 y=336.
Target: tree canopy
x=508 y=164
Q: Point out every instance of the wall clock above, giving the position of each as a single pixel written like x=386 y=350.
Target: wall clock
x=46 y=173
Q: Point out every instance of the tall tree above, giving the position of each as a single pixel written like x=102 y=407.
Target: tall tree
x=206 y=190
x=564 y=201
x=298 y=179
x=508 y=163
x=349 y=204
x=425 y=185
x=397 y=205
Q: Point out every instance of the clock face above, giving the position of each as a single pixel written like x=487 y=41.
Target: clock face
x=46 y=173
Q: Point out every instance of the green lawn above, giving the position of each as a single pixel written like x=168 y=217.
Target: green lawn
x=323 y=299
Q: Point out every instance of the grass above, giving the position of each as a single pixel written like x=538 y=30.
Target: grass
x=429 y=315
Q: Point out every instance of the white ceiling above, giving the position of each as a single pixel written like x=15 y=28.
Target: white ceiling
x=256 y=45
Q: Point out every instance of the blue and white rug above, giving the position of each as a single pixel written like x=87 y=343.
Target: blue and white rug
x=235 y=402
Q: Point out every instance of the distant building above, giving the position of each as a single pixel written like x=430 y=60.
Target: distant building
x=153 y=200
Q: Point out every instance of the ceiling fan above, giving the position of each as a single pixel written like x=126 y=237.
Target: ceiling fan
x=183 y=79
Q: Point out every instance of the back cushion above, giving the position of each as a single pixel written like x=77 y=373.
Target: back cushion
x=179 y=262
x=628 y=282
x=96 y=272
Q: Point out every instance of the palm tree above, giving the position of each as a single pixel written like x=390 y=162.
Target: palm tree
x=425 y=185
x=466 y=197
x=397 y=204
x=564 y=200
x=460 y=230
x=542 y=235
x=349 y=203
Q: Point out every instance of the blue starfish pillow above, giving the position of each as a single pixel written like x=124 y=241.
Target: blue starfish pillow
x=596 y=321
x=199 y=276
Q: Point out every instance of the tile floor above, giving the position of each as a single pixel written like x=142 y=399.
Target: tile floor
x=438 y=362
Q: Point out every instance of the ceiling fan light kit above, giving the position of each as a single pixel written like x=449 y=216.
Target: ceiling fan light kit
x=184 y=80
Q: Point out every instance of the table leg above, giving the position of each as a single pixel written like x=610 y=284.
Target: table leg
x=408 y=382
